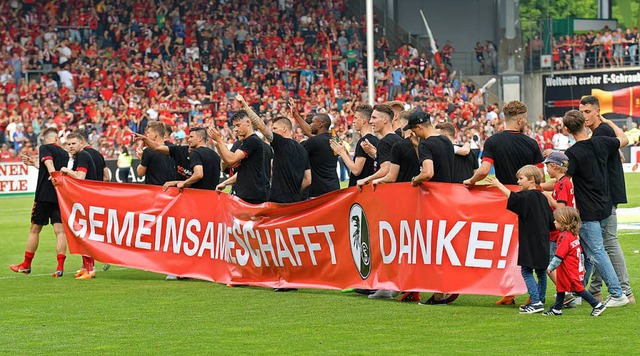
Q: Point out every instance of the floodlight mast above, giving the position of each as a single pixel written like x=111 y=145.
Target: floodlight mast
x=370 y=55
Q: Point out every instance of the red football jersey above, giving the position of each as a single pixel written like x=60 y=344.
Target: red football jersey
x=570 y=273
x=562 y=193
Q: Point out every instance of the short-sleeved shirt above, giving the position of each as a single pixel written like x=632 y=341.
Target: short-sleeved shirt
x=251 y=184
x=384 y=148
x=438 y=149
x=210 y=162
x=267 y=158
x=369 y=163
x=588 y=169
x=45 y=192
x=83 y=162
x=509 y=151
x=463 y=167
x=324 y=176
x=404 y=155
x=160 y=167
x=535 y=220
x=180 y=155
x=570 y=273
x=562 y=193
x=98 y=161
x=290 y=161
x=615 y=172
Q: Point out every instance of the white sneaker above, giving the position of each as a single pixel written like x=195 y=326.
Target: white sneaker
x=382 y=294
x=171 y=277
x=613 y=302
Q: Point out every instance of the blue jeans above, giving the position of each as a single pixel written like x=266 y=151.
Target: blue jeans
x=537 y=291
x=595 y=255
x=616 y=256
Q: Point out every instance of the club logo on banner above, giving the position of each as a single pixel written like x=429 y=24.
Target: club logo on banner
x=360 y=241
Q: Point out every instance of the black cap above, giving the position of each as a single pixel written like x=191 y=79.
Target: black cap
x=416 y=118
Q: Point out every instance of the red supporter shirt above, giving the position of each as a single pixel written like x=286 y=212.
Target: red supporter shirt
x=570 y=273
x=562 y=193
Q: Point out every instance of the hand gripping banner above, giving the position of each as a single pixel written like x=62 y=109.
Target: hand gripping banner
x=437 y=237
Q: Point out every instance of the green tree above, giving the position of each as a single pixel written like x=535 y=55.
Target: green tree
x=534 y=12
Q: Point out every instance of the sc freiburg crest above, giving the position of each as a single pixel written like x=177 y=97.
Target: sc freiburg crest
x=359 y=240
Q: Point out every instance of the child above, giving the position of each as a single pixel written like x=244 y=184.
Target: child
x=535 y=220
x=568 y=261
x=557 y=163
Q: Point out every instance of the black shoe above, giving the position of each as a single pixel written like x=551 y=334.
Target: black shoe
x=285 y=289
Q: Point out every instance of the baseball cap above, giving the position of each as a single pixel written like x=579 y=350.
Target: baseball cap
x=417 y=118
x=558 y=158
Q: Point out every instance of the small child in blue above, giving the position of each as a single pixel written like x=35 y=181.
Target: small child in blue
x=535 y=219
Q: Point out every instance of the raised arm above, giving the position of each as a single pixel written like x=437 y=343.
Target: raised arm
x=624 y=140
x=151 y=144
x=306 y=128
x=255 y=119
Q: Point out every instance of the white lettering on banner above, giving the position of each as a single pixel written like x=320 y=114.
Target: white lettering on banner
x=412 y=242
x=609 y=78
x=240 y=243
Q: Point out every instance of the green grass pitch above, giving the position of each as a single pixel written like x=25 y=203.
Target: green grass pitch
x=136 y=312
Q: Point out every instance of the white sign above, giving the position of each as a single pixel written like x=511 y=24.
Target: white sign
x=16 y=177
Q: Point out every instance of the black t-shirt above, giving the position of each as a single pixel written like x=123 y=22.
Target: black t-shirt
x=45 y=192
x=615 y=172
x=210 y=162
x=404 y=155
x=180 y=155
x=463 y=167
x=369 y=163
x=439 y=149
x=160 y=167
x=509 y=151
x=251 y=184
x=324 y=176
x=290 y=161
x=535 y=220
x=83 y=162
x=384 y=148
x=267 y=157
x=98 y=161
x=588 y=170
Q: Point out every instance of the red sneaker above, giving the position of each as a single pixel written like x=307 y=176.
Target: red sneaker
x=507 y=300
x=20 y=269
x=410 y=297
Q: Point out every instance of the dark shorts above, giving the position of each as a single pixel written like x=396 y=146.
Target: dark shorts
x=43 y=212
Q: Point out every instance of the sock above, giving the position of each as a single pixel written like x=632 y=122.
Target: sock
x=60 y=257
x=28 y=257
x=559 y=301
x=85 y=262
x=589 y=298
x=91 y=264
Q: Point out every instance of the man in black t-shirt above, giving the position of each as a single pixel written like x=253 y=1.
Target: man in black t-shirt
x=45 y=206
x=510 y=149
x=291 y=168
x=179 y=154
x=404 y=160
x=204 y=163
x=381 y=125
x=435 y=152
x=590 y=108
x=465 y=161
x=83 y=168
x=102 y=171
x=588 y=171
x=248 y=161
x=362 y=165
x=156 y=168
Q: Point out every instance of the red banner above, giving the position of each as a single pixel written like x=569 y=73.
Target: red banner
x=439 y=237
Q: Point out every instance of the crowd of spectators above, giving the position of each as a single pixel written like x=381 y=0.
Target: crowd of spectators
x=111 y=66
x=595 y=49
